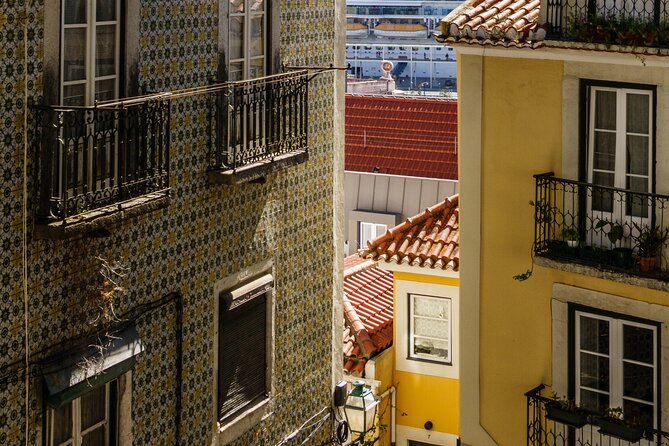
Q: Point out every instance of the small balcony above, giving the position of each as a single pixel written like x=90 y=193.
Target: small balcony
x=99 y=159
x=611 y=229
x=258 y=126
x=585 y=429
x=632 y=23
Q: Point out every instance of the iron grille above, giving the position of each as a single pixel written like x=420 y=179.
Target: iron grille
x=92 y=157
x=257 y=120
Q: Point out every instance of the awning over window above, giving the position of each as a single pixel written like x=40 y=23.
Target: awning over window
x=68 y=376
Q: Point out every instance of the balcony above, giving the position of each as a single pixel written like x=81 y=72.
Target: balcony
x=97 y=160
x=632 y=23
x=543 y=431
x=607 y=228
x=257 y=127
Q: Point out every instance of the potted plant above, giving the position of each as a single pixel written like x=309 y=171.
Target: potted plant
x=621 y=257
x=570 y=235
x=649 y=243
x=565 y=411
x=614 y=425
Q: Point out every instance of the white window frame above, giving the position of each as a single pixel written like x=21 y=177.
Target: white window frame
x=90 y=26
x=375 y=229
x=620 y=170
x=616 y=360
x=77 y=436
x=447 y=317
x=247 y=17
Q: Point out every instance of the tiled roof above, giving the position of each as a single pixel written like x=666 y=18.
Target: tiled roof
x=430 y=239
x=410 y=136
x=368 y=312
x=510 y=23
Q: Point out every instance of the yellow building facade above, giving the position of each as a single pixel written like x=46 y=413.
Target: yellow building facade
x=589 y=330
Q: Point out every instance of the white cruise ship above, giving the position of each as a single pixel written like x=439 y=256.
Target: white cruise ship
x=400 y=31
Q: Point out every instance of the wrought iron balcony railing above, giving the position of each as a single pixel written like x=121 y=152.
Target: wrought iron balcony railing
x=623 y=22
x=97 y=156
x=258 y=121
x=566 y=430
x=613 y=228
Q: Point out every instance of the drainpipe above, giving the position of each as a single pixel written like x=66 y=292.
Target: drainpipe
x=391 y=391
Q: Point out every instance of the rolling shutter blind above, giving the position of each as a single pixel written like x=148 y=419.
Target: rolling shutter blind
x=242 y=351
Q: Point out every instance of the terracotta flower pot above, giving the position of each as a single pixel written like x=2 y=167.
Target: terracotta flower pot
x=647 y=264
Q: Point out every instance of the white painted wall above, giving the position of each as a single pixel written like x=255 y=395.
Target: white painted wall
x=397 y=196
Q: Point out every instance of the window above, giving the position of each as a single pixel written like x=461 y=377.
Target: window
x=244 y=346
x=90 y=419
x=620 y=144
x=90 y=51
x=370 y=231
x=430 y=328
x=616 y=365
x=247 y=39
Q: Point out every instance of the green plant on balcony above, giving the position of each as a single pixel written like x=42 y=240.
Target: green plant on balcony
x=614 y=424
x=649 y=243
x=564 y=410
x=620 y=256
x=624 y=30
x=570 y=235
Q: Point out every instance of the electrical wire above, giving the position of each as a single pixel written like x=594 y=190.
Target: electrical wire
x=304 y=425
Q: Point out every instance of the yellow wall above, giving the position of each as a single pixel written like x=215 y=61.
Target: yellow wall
x=422 y=397
x=521 y=134
x=384 y=365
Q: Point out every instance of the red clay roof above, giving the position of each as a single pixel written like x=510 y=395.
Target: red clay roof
x=368 y=312
x=402 y=135
x=430 y=239
x=510 y=23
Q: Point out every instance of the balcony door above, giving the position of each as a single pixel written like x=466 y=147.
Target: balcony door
x=619 y=153
x=89 y=73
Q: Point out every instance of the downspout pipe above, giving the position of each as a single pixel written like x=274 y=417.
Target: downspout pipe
x=391 y=391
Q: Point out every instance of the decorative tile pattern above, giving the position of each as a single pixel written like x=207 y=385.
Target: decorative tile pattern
x=206 y=233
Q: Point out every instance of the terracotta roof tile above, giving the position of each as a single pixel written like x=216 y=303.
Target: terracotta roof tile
x=494 y=22
x=368 y=312
x=410 y=136
x=430 y=239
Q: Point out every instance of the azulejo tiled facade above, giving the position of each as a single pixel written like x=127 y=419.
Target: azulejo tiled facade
x=206 y=233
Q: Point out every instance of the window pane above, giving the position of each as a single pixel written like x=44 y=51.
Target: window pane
x=605 y=151
x=637 y=154
x=74 y=95
x=637 y=113
x=365 y=233
x=637 y=205
x=95 y=438
x=438 y=308
x=605 y=110
x=594 y=372
x=380 y=230
x=105 y=90
x=75 y=11
x=638 y=381
x=431 y=347
x=602 y=200
x=595 y=401
x=236 y=6
x=105 y=10
x=638 y=413
x=638 y=344
x=93 y=405
x=594 y=335
x=105 y=50
x=236 y=70
x=236 y=38
x=62 y=423
x=257 y=36
x=431 y=328
x=257 y=5
x=257 y=67
x=74 y=57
